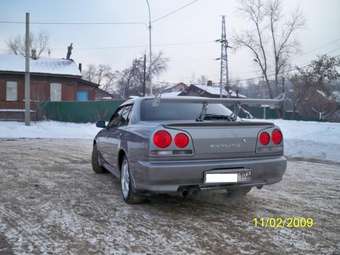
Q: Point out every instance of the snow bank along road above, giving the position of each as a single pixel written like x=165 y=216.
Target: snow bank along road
x=52 y=203
x=311 y=140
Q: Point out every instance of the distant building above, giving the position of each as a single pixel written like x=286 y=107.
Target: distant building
x=51 y=79
x=209 y=91
x=175 y=88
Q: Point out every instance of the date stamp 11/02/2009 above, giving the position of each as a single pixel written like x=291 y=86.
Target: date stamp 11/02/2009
x=283 y=222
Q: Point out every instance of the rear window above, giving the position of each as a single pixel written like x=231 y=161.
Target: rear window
x=178 y=110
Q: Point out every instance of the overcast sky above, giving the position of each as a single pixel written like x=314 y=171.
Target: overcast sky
x=193 y=29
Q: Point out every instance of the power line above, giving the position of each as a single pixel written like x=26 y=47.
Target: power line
x=321 y=47
x=73 y=23
x=338 y=48
x=174 y=11
x=327 y=52
x=273 y=73
x=141 y=46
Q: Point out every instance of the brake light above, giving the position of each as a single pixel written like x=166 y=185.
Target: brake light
x=264 y=138
x=276 y=136
x=162 y=139
x=181 y=140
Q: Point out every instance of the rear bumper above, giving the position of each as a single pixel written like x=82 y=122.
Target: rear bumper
x=170 y=176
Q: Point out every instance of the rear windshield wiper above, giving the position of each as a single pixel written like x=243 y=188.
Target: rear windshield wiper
x=218 y=117
x=210 y=116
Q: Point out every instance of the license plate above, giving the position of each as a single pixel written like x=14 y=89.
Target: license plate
x=243 y=175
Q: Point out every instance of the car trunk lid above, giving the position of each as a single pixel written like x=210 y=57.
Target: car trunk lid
x=222 y=139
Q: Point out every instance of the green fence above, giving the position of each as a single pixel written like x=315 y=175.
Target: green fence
x=79 y=112
x=92 y=111
x=269 y=113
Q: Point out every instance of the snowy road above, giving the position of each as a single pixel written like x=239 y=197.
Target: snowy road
x=52 y=203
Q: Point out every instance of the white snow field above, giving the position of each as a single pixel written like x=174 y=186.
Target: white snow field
x=312 y=140
x=47 y=129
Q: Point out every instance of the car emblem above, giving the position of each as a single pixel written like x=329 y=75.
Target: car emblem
x=244 y=140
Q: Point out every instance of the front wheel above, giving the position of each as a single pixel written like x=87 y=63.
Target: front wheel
x=128 y=193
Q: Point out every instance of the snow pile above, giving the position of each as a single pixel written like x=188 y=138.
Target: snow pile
x=16 y=63
x=313 y=140
x=47 y=129
x=309 y=139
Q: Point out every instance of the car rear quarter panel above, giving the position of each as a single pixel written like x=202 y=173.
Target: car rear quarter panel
x=135 y=143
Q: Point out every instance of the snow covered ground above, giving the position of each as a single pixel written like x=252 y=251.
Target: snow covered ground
x=313 y=140
x=309 y=139
x=47 y=129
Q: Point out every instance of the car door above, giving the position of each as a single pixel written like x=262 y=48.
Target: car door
x=112 y=135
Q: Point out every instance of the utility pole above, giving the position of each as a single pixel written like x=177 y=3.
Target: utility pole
x=150 y=47
x=144 y=75
x=27 y=72
x=224 y=71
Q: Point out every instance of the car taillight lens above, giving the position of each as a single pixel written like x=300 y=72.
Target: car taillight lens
x=162 y=139
x=276 y=136
x=181 y=140
x=264 y=138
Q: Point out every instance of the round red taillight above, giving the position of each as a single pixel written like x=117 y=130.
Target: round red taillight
x=162 y=139
x=276 y=136
x=264 y=138
x=181 y=140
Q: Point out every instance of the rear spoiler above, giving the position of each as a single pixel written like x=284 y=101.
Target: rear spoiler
x=233 y=101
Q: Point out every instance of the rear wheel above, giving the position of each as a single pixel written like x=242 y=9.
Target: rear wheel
x=97 y=168
x=128 y=192
x=238 y=192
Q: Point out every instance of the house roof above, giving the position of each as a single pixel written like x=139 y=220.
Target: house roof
x=43 y=65
x=104 y=94
x=216 y=90
x=174 y=93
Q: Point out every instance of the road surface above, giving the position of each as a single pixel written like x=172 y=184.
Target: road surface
x=51 y=202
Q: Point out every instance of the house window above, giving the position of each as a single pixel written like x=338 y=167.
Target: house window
x=55 y=92
x=11 y=91
x=82 y=95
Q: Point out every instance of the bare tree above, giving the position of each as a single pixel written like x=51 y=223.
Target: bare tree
x=90 y=73
x=270 y=39
x=127 y=82
x=312 y=87
x=102 y=72
x=103 y=75
x=202 y=80
x=132 y=78
x=38 y=43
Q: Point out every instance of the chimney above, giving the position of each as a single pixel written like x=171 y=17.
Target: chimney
x=69 y=51
x=209 y=83
x=80 y=67
x=34 y=54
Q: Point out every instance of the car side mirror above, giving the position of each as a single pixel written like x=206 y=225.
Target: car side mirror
x=101 y=124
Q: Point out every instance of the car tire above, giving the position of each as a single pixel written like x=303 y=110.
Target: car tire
x=238 y=192
x=97 y=168
x=129 y=195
